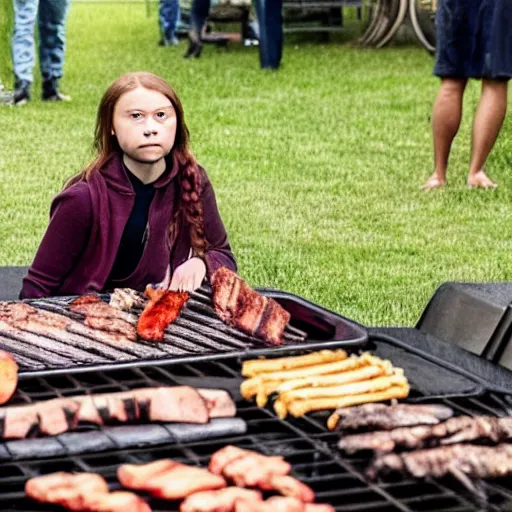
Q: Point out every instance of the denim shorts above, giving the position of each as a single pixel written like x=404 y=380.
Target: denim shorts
x=474 y=39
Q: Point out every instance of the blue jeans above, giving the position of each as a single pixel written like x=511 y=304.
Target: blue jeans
x=51 y=16
x=271 y=32
x=169 y=15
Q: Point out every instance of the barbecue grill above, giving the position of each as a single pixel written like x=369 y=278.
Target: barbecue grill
x=336 y=478
x=198 y=334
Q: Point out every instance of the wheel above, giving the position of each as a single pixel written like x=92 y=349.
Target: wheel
x=375 y=12
x=423 y=13
x=399 y=18
x=386 y=18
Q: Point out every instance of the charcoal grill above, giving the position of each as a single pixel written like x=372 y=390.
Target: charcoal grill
x=336 y=478
x=198 y=334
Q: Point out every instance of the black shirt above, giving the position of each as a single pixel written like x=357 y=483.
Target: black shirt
x=135 y=232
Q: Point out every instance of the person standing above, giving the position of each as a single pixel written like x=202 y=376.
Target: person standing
x=51 y=16
x=168 y=16
x=5 y=59
x=474 y=40
x=270 y=20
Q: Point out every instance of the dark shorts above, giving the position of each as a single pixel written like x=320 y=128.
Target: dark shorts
x=474 y=39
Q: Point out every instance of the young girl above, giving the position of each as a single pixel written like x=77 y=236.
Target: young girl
x=142 y=212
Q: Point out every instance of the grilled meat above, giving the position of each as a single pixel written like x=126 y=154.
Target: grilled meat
x=459 y=459
x=71 y=491
x=387 y=417
x=99 y=315
x=222 y=500
x=8 y=376
x=119 y=501
x=126 y=299
x=22 y=319
x=168 y=479
x=279 y=504
x=218 y=402
x=251 y=469
x=168 y=404
x=238 y=305
x=87 y=492
x=162 y=309
x=455 y=430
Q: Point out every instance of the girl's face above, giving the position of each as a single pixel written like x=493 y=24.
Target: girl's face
x=144 y=123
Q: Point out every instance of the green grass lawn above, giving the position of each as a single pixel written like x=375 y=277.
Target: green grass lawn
x=316 y=168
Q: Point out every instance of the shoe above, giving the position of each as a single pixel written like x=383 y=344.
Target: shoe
x=174 y=41
x=195 y=45
x=51 y=91
x=21 y=94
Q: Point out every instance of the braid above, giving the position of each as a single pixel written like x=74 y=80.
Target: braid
x=190 y=210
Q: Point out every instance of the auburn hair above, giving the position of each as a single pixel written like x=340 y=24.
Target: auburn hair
x=189 y=211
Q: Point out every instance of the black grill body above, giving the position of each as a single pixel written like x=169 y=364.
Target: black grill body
x=337 y=479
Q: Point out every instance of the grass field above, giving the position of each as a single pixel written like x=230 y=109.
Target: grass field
x=316 y=168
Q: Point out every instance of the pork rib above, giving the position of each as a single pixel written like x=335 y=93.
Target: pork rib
x=238 y=305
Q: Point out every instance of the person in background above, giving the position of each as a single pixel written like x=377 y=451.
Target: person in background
x=474 y=40
x=141 y=212
x=169 y=15
x=270 y=22
x=51 y=16
x=6 y=96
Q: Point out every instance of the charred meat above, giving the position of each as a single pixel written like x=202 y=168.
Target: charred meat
x=387 y=417
x=238 y=305
x=99 y=315
x=455 y=430
x=460 y=459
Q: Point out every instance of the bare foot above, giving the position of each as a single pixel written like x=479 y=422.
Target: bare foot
x=435 y=181
x=480 y=180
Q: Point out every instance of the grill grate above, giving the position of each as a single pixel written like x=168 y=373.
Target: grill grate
x=197 y=334
x=337 y=479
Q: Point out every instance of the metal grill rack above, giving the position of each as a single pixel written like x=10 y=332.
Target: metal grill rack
x=198 y=334
x=336 y=478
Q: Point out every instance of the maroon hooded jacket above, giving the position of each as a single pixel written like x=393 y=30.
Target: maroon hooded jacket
x=87 y=220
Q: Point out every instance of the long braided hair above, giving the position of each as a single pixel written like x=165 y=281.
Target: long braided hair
x=189 y=211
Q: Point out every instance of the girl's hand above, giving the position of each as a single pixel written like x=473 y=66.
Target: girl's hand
x=188 y=276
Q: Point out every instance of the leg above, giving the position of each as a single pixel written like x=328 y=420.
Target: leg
x=52 y=43
x=270 y=21
x=168 y=17
x=198 y=15
x=23 y=52
x=446 y=118
x=486 y=127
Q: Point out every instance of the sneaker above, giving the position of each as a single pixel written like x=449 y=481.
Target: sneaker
x=21 y=94
x=174 y=41
x=51 y=91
